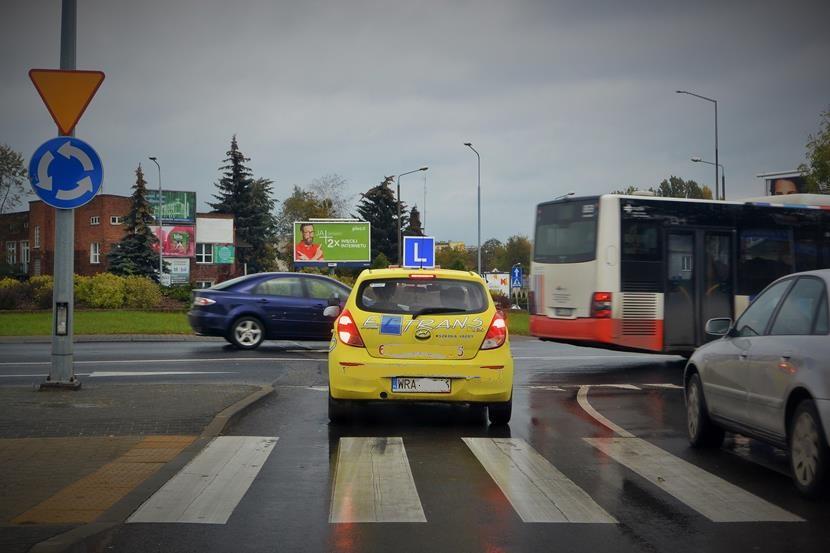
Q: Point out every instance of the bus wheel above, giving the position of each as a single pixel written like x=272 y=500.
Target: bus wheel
x=702 y=431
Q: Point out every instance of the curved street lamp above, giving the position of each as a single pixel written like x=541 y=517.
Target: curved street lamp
x=470 y=146
x=716 y=135
x=697 y=159
x=400 y=241
x=161 y=263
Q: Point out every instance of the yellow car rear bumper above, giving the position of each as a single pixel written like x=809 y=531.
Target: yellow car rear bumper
x=354 y=374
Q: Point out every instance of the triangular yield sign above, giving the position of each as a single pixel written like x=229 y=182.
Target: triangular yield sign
x=66 y=93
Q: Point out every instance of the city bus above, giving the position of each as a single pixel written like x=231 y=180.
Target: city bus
x=646 y=273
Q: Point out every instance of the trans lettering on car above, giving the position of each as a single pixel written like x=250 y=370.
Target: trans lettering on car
x=474 y=324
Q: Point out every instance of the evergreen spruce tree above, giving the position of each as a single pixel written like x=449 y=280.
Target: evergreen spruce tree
x=134 y=254
x=250 y=203
x=414 y=226
x=377 y=206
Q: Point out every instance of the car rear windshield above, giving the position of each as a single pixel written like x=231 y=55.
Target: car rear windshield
x=566 y=232
x=420 y=296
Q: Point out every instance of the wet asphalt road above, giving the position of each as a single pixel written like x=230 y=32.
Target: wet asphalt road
x=289 y=502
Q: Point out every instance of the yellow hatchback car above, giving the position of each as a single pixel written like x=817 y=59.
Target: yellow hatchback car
x=420 y=335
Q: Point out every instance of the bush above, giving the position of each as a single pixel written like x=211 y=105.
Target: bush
x=104 y=290
x=179 y=292
x=141 y=292
x=12 y=293
x=41 y=290
x=501 y=301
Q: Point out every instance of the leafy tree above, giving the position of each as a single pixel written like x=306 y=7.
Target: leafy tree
x=414 y=226
x=134 y=254
x=250 y=205
x=380 y=262
x=453 y=258
x=378 y=207
x=675 y=187
x=332 y=188
x=13 y=186
x=516 y=250
x=817 y=168
x=628 y=191
x=302 y=205
x=491 y=252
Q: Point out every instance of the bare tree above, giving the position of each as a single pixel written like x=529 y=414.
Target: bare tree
x=13 y=187
x=333 y=188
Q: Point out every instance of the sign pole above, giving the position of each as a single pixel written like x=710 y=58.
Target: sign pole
x=62 y=374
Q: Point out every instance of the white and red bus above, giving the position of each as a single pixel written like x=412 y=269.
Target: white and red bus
x=646 y=272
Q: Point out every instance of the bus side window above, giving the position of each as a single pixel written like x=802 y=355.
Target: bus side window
x=765 y=255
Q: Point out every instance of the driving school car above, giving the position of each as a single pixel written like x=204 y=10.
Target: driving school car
x=420 y=335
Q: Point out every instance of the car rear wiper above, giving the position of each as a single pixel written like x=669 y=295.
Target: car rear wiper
x=436 y=310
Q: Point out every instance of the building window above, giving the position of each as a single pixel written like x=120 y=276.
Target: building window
x=11 y=253
x=116 y=220
x=95 y=220
x=204 y=253
x=37 y=236
x=201 y=284
x=25 y=256
x=95 y=253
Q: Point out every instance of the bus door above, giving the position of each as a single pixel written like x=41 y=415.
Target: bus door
x=699 y=273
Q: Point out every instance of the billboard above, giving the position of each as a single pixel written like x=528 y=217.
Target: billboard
x=179 y=270
x=176 y=241
x=326 y=242
x=223 y=253
x=176 y=206
x=498 y=282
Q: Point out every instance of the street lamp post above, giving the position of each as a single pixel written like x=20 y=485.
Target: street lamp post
x=161 y=263
x=470 y=146
x=400 y=241
x=722 y=174
x=723 y=197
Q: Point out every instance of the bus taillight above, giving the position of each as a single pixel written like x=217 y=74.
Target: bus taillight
x=601 y=305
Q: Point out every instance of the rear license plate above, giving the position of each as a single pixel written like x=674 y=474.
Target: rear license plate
x=409 y=384
x=564 y=311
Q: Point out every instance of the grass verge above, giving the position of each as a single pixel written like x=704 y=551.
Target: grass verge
x=97 y=322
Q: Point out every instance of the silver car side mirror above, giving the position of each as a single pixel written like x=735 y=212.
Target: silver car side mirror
x=331 y=311
x=719 y=326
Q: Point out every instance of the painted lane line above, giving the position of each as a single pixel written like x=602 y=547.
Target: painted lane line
x=109 y=374
x=665 y=386
x=588 y=357
x=582 y=399
x=373 y=483
x=179 y=360
x=209 y=488
x=538 y=491
x=709 y=495
x=548 y=388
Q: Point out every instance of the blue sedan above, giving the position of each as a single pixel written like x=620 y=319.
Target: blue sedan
x=267 y=306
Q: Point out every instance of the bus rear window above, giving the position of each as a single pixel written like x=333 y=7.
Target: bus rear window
x=566 y=232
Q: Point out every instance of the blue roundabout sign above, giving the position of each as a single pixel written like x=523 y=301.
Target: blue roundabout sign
x=66 y=172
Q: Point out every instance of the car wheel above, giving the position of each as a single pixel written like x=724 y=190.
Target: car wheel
x=702 y=431
x=499 y=413
x=808 y=450
x=247 y=333
x=338 y=410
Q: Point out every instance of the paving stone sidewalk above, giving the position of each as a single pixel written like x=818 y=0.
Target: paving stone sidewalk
x=51 y=440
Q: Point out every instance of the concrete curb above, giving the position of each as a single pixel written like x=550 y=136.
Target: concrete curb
x=75 y=540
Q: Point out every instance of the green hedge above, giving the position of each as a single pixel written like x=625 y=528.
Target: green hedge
x=102 y=291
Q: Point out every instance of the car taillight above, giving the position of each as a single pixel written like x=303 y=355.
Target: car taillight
x=601 y=305
x=497 y=333
x=200 y=301
x=347 y=330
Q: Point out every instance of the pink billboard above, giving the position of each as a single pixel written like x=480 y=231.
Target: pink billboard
x=176 y=241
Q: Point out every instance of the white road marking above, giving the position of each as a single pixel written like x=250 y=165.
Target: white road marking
x=373 y=483
x=582 y=399
x=537 y=490
x=548 y=388
x=637 y=357
x=178 y=360
x=709 y=495
x=107 y=374
x=666 y=386
x=209 y=488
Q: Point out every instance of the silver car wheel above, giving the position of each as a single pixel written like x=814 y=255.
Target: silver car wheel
x=248 y=333
x=805 y=449
x=693 y=409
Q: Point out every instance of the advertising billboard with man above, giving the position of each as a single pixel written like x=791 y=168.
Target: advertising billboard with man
x=326 y=242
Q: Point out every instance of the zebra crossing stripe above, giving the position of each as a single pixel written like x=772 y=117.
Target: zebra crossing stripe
x=209 y=488
x=536 y=489
x=373 y=483
x=709 y=495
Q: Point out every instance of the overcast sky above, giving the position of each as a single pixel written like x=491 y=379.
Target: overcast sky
x=557 y=96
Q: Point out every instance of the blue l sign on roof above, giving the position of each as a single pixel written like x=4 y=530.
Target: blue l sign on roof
x=516 y=277
x=419 y=252
x=66 y=172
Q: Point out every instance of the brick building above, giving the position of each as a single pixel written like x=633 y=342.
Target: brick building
x=27 y=241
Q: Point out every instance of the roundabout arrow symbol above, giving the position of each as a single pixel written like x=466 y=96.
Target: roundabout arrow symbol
x=43 y=179
x=84 y=186
x=69 y=151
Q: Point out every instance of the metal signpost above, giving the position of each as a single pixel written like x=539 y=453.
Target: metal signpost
x=419 y=252
x=516 y=279
x=65 y=173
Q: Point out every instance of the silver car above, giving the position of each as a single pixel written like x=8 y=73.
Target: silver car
x=768 y=377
